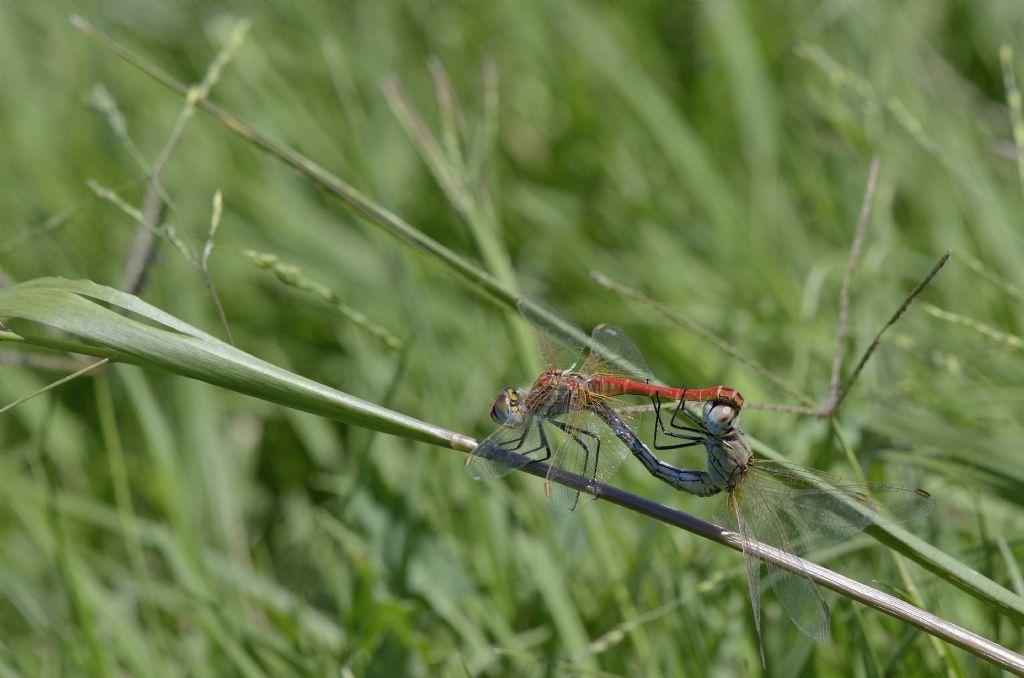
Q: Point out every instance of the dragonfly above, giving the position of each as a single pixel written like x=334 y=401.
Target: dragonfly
x=787 y=506
x=568 y=415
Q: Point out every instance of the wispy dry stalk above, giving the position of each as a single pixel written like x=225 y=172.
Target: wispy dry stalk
x=844 y=293
x=892 y=320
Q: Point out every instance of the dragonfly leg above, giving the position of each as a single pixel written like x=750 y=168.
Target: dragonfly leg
x=547 y=455
x=542 y=446
x=691 y=440
x=507 y=452
x=515 y=443
x=588 y=471
x=681 y=409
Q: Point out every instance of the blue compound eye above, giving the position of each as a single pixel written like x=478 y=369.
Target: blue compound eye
x=718 y=416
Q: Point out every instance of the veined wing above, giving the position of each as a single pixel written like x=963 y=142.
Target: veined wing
x=560 y=342
x=613 y=354
x=797 y=594
x=507 y=449
x=608 y=351
x=820 y=509
x=796 y=509
x=587 y=447
x=736 y=521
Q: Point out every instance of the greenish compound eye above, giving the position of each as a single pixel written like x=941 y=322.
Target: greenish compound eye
x=505 y=407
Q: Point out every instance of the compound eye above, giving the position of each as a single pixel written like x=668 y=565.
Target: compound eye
x=718 y=416
x=504 y=408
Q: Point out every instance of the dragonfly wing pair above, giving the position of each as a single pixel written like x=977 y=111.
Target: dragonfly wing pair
x=507 y=449
x=756 y=521
x=818 y=509
x=577 y=441
x=588 y=448
x=608 y=351
x=796 y=510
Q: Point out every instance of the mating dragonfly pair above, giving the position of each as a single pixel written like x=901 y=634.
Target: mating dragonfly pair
x=570 y=417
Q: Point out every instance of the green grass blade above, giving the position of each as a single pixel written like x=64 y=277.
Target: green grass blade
x=177 y=347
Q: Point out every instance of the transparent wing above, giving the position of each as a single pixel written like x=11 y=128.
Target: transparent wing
x=560 y=342
x=587 y=447
x=820 y=509
x=736 y=521
x=608 y=351
x=797 y=594
x=508 y=448
x=796 y=509
x=613 y=353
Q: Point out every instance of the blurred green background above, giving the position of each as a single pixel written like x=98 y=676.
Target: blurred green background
x=713 y=155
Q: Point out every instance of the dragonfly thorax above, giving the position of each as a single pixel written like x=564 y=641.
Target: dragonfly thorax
x=729 y=454
x=729 y=459
x=554 y=393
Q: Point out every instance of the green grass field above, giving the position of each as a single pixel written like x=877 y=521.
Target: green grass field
x=208 y=515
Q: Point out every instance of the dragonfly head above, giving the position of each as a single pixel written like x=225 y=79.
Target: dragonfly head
x=505 y=407
x=719 y=416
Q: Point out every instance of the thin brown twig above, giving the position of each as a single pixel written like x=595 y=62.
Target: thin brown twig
x=146 y=246
x=808 y=409
x=844 y=293
x=786 y=409
x=892 y=320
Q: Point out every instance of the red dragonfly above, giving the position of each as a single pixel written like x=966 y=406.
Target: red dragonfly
x=568 y=414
